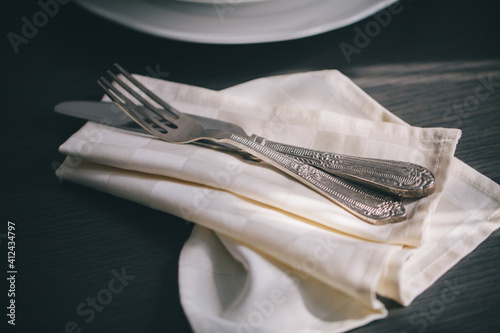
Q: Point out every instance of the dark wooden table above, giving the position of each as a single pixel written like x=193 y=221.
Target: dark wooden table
x=424 y=66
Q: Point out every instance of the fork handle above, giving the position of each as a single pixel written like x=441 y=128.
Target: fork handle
x=370 y=206
x=395 y=177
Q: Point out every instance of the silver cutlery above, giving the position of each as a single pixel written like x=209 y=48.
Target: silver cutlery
x=394 y=177
x=173 y=126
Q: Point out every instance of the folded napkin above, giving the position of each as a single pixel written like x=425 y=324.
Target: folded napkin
x=269 y=254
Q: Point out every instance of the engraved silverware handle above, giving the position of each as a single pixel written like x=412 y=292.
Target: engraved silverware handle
x=395 y=177
x=373 y=207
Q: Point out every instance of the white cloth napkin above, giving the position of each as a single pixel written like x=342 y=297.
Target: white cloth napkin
x=267 y=253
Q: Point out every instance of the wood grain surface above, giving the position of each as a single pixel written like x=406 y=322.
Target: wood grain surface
x=424 y=66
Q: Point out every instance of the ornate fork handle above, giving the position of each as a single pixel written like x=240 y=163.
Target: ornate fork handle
x=399 y=178
x=371 y=206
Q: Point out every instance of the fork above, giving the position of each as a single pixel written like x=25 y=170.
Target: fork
x=174 y=126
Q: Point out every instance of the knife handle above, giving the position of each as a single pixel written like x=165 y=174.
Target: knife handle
x=403 y=179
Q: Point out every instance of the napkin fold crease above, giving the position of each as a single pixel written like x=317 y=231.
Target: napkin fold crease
x=268 y=254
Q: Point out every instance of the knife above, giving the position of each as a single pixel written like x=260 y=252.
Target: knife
x=394 y=177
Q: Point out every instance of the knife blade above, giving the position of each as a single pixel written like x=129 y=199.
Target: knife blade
x=109 y=114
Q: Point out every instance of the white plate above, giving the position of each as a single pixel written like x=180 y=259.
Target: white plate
x=235 y=22
x=219 y=1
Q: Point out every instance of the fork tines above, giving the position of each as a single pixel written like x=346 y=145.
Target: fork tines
x=142 y=111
